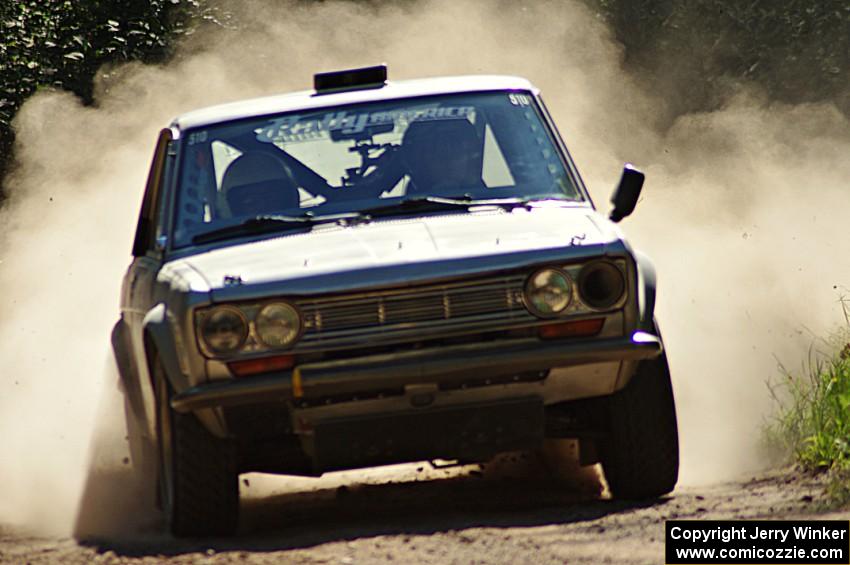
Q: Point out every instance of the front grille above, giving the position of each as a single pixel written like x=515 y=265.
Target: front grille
x=414 y=313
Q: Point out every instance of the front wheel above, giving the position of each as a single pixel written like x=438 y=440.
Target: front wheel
x=198 y=480
x=640 y=456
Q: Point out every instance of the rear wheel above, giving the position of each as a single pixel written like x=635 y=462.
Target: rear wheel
x=198 y=479
x=640 y=456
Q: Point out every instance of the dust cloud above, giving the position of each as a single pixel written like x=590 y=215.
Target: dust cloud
x=742 y=212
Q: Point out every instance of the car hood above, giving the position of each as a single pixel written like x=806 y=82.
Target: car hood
x=330 y=249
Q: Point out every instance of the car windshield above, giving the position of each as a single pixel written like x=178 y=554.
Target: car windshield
x=353 y=158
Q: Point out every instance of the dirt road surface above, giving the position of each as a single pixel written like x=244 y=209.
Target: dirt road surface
x=503 y=513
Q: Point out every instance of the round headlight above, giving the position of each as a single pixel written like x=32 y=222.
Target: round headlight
x=548 y=292
x=278 y=324
x=601 y=284
x=224 y=330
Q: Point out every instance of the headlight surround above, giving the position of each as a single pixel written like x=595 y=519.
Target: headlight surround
x=224 y=330
x=601 y=284
x=278 y=324
x=548 y=292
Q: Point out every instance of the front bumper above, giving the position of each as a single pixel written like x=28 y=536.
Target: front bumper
x=397 y=370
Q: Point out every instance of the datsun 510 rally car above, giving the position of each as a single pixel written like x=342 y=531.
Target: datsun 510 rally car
x=379 y=272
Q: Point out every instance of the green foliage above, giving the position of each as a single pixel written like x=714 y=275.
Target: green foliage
x=694 y=51
x=813 y=417
x=61 y=44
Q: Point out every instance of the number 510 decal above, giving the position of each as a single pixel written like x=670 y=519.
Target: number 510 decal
x=519 y=99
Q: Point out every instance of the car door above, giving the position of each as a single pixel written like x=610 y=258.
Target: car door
x=139 y=285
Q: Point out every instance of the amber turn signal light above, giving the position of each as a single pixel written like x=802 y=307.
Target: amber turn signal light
x=580 y=328
x=262 y=365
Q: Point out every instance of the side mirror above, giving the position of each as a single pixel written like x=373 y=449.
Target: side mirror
x=626 y=195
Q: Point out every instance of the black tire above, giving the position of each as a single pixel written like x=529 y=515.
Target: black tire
x=640 y=456
x=198 y=478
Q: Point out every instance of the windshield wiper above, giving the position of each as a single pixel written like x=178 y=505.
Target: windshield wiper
x=411 y=205
x=267 y=224
x=437 y=204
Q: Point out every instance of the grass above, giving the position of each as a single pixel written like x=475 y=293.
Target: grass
x=812 y=421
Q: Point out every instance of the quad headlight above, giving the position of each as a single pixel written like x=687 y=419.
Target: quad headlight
x=224 y=330
x=248 y=328
x=601 y=284
x=548 y=292
x=278 y=324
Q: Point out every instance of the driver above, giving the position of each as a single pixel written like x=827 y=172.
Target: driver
x=443 y=158
x=257 y=183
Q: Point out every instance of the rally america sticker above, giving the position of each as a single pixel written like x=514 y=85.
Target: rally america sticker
x=288 y=129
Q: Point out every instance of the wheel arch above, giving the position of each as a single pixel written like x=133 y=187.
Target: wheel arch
x=647 y=282
x=128 y=374
x=160 y=347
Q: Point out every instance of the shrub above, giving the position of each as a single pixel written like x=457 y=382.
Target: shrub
x=694 y=52
x=61 y=44
x=812 y=421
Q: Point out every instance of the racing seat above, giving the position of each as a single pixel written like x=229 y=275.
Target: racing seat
x=257 y=183
x=443 y=157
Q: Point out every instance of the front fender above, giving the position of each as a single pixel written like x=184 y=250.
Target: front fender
x=646 y=292
x=161 y=343
x=128 y=375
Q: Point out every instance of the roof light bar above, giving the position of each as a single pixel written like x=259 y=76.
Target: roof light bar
x=351 y=79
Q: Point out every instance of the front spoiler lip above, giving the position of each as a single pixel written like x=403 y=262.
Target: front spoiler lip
x=395 y=370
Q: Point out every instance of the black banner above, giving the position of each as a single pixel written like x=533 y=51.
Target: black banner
x=761 y=542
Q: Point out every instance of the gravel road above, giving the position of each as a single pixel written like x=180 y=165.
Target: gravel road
x=512 y=511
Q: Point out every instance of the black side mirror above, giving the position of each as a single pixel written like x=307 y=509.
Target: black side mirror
x=626 y=195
